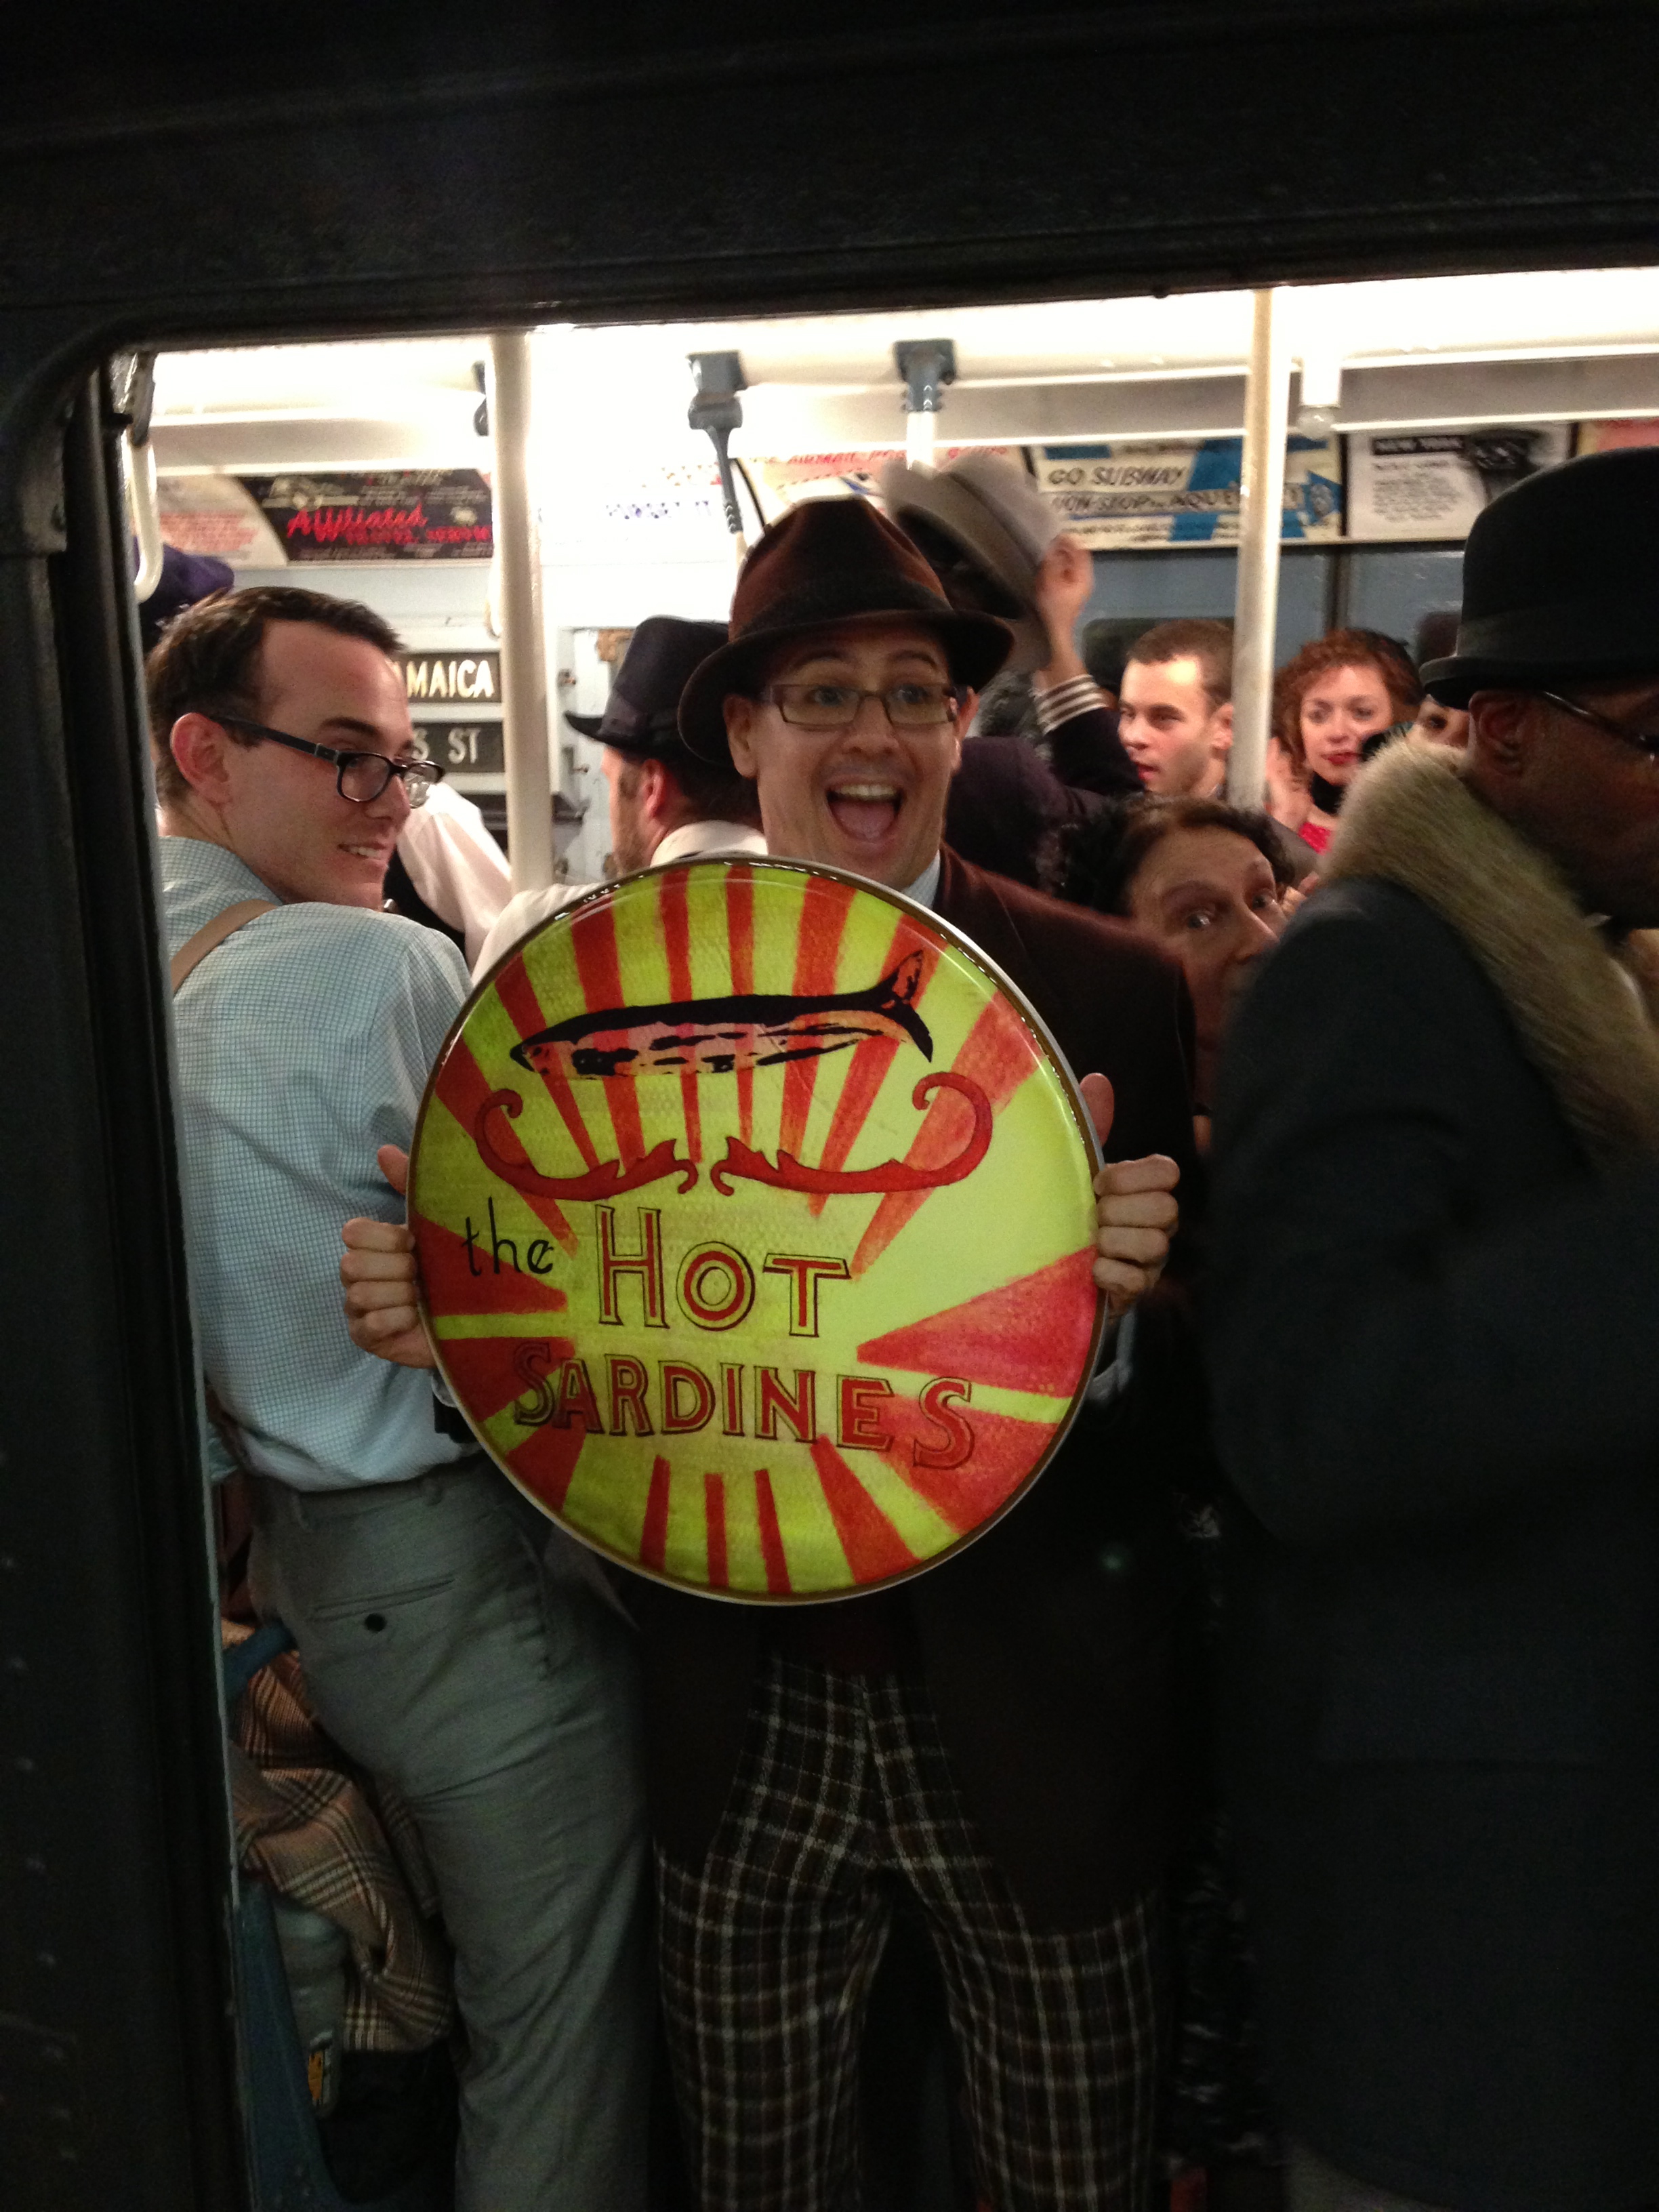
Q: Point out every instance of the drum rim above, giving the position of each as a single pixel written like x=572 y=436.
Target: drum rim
x=768 y=1600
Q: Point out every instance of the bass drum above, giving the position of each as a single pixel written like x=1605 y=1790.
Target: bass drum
x=754 y=1219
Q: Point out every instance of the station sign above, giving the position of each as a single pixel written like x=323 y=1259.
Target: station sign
x=463 y=748
x=468 y=679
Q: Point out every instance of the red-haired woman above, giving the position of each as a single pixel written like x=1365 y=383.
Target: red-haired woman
x=1340 y=690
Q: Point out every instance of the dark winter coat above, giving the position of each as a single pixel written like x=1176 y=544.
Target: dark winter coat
x=1053 y=1647
x=1434 y=1316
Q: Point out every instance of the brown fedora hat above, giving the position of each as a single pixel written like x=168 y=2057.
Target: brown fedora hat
x=829 y=564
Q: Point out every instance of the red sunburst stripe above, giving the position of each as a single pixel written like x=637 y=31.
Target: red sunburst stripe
x=546 y=1460
x=525 y=1010
x=463 y=1088
x=594 y=941
x=868 y=1070
x=461 y=1085
x=1005 y=1452
x=451 y=1287
x=771 y=1536
x=874 y=1546
x=823 y=915
x=677 y=943
x=654 y=1537
x=482 y=1371
x=999 y=1055
x=741 y=940
x=713 y=1506
x=1032 y=1334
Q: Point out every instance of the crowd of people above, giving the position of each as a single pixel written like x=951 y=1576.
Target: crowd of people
x=1275 y=1786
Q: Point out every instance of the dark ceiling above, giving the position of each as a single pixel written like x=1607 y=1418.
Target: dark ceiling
x=213 y=171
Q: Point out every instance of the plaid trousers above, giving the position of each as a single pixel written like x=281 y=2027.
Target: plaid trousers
x=769 y=1946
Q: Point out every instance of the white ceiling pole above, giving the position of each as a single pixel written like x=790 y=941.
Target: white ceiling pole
x=1261 y=522
x=524 y=654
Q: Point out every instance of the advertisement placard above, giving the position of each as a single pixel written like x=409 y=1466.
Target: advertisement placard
x=1610 y=436
x=1432 y=484
x=786 y=481
x=217 y=514
x=1185 y=492
x=378 y=514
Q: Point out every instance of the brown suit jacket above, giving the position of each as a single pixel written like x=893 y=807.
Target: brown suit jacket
x=1053 y=1646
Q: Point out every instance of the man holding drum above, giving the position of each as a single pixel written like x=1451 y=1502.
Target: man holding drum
x=999 y=1734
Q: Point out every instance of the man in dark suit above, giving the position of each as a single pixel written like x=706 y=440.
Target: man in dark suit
x=1002 y=1735
x=1010 y=1718
x=1435 y=1306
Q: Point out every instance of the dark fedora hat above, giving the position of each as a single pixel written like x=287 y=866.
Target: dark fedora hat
x=1560 y=581
x=829 y=564
x=640 y=716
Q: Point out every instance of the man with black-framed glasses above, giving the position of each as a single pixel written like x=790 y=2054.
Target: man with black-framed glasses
x=1001 y=1739
x=448 y=1647
x=1435 y=1301
x=1020 y=1704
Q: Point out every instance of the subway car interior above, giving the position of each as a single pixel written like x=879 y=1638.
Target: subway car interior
x=1409 y=402
x=519 y=337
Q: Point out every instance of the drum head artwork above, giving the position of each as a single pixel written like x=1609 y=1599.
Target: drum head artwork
x=755 y=1216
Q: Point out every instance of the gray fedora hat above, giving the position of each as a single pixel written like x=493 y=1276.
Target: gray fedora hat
x=1560 y=581
x=985 y=527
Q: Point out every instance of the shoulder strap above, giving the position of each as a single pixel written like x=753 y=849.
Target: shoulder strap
x=190 y=956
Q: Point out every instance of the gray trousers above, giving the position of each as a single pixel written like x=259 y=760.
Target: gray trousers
x=449 y=1649
x=1313 y=2186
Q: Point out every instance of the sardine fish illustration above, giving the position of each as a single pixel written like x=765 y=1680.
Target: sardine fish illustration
x=716 y=1036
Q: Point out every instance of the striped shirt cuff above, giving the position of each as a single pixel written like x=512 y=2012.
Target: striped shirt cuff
x=1082 y=695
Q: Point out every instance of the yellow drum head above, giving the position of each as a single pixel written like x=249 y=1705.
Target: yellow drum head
x=754 y=1219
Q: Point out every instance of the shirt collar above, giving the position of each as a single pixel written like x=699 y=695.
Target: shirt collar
x=200 y=864
x=925 y=890
x=693 y=839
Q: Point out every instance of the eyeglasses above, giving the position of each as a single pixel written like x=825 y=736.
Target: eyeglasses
x=360 y=777
x=835 y=705
x=1645 y=741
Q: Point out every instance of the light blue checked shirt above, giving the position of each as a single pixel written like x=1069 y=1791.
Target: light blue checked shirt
x=303 y=1044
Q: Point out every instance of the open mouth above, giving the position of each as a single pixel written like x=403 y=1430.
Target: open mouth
x=865 y=812
x=381 y=854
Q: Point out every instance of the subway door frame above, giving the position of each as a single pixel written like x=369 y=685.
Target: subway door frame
x=118 y=2044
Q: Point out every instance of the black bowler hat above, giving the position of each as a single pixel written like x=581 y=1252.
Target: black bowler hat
x=830 y=564
x=1560 y=581
x=640 y=714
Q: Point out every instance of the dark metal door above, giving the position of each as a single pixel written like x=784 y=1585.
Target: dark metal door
x=202 y=174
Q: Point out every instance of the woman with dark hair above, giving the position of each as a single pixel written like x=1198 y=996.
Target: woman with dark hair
x=1210 y=882
x=1340 y=690
x=1206 y=879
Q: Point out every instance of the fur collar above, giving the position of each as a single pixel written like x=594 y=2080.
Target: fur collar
x=1413 y=822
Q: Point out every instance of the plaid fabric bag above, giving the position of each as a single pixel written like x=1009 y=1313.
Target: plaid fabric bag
x=324 y=1834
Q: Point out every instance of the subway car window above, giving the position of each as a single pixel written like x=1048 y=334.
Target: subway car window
x=829 y=1204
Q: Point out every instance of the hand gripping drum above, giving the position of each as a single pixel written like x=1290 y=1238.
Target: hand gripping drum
x=754 y=1219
